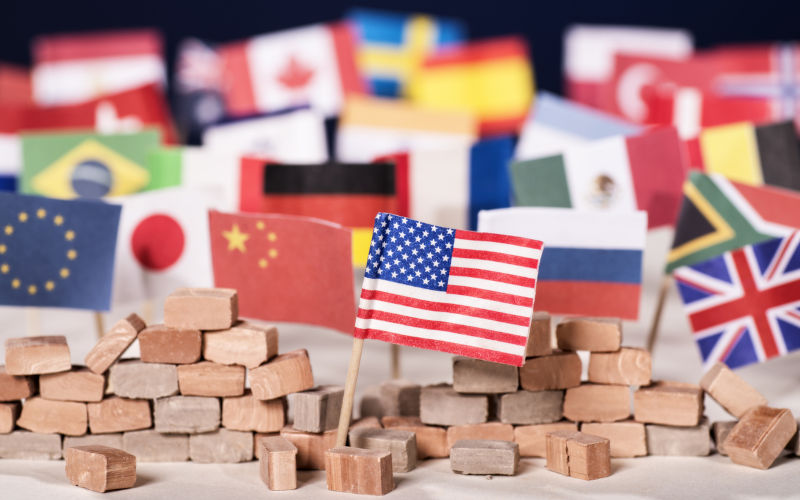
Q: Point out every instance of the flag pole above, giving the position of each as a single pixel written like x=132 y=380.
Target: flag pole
x=349 y=392
x=33 y=321
x=147 y=311
x=395 y=361
x=98 y=324
x=662 y=298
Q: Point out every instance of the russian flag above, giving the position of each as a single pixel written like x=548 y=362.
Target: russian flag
x=592 y=261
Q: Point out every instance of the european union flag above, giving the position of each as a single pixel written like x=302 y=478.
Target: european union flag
x=56 y=253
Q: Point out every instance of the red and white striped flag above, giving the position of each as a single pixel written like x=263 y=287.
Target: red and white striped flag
x=449 y=290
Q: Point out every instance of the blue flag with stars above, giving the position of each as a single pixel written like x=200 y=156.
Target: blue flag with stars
x=56 y=253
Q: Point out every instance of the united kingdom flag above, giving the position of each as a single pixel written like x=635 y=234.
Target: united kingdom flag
x=744 y=305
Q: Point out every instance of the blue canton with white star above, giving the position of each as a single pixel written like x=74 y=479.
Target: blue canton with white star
x=407 y=251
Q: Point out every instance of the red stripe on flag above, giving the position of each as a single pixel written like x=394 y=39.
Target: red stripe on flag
x=588 y=298
x=442 y=326
x=344 y=45
x=499 y=238
x=474 y=312
x=52 y=48
x=491 y=50
x=511 y=279
x=438 y=345
x=237 y=80
x=480 y=293
x=496 y=257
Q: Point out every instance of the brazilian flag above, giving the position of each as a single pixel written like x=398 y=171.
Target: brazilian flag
x=68 y=165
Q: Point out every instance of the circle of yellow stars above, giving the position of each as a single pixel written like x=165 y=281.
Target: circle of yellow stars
x=237 y=241
x=24 y=217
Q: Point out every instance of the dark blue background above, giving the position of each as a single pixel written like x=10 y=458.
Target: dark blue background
x=542 y=23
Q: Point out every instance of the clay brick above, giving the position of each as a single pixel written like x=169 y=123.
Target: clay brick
x=627 y=438
x=363 y=472
x=257 y=438
x=476 y=376
x=527 y=407
x=163 y=344
x=242 y=344
x=370 y=404
x=595 y=335
x=431 y=440
x=578 y=455
x=37 y=355
x=441 y=405
x=597 y=403
x=202 y=308
x=469 y=456
x=532 y=439
x=401 y=444
x=100 y=468
x=669 y=403
x=370 y=422
x=540 y=342
x=24 y=445
x=489 y=431
x=9 y=412
x=318 y=409
x=117 y=414
x=211 y=379
x=114 y=343
x=152 y=446
x=398 y=397
x=560 y=370
x=285 y=374
x=246 y=413
x=221 y=447
x=729 y=390
x=137 y=380
x=760 y=436
x=15 y=387
x=186 y=414
x=278 y=464
x=668 y=440
x=45 y=416
x=111 y=440
x=628 y=366
x=719 y=431
x=78 y=384
x=311 y=447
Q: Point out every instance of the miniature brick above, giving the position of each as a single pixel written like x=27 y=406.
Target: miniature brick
x=595 y=335
x=111 y=440
x=401 y=444
x=37 y=355
x=370 y=404
x=201 y=308
x=221 y=447
x=15 y=387
x=398 y=397
x=431 y=440
x=137 y=380
x=370 y=422
x=669 y=403
x=211 y=379
x=318 y=409
x=278 y=463
x=100 y=468
x=668 y=440
x=394 y=421
x=285 y=374
x=719 y=431
x=527 y=407
x=152 y=446
x=760 y=436
x=9 y=412
x=532 y=439
x=489 y=431
x=78 y=384
x=163 y=344
x=628 y=366
x=311 y=447
x=116 y=414
x=560 y=370
x=578 y=455
x=362 y=472
x=243 y=344
x=246 y=413
x=187 y=414
x=113 y=344
x=597 y=403
x=540 y=341
x=483 y=456
x=46 y=416
x=476 y=376
x=441 y=405
x=24 y=445
x=258 y=437
x=628 y=438
x=729 y=390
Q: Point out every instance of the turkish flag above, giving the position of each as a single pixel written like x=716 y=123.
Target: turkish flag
x=286 y=268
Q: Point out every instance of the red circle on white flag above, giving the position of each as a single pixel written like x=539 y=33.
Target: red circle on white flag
x=157 y=242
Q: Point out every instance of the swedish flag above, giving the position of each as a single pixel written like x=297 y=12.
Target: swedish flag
x=56 y=253
x=86 y=165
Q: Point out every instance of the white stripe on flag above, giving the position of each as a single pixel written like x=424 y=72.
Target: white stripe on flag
x=521 y=291
x=506 y=248
x=497 y=267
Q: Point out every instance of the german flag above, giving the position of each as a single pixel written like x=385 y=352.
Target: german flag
x=350 y=194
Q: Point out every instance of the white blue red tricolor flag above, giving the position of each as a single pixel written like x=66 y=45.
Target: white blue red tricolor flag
x=744 y=305
x=449 y=290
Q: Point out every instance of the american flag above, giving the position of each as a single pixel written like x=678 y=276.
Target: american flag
x=744 y=305
x=449 y=290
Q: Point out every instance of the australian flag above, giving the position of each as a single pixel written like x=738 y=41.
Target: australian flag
x=744 y=305
x=56 y=253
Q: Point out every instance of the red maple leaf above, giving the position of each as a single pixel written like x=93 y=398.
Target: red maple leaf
x=295 y=75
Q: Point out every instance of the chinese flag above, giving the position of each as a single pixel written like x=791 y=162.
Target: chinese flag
x=286 y=268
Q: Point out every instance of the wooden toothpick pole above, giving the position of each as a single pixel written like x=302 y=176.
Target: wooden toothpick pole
x=662 y=298
x=147 y=311
x=33 y=321
x=349 y=392
x=98 y=324
x=395 y=361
